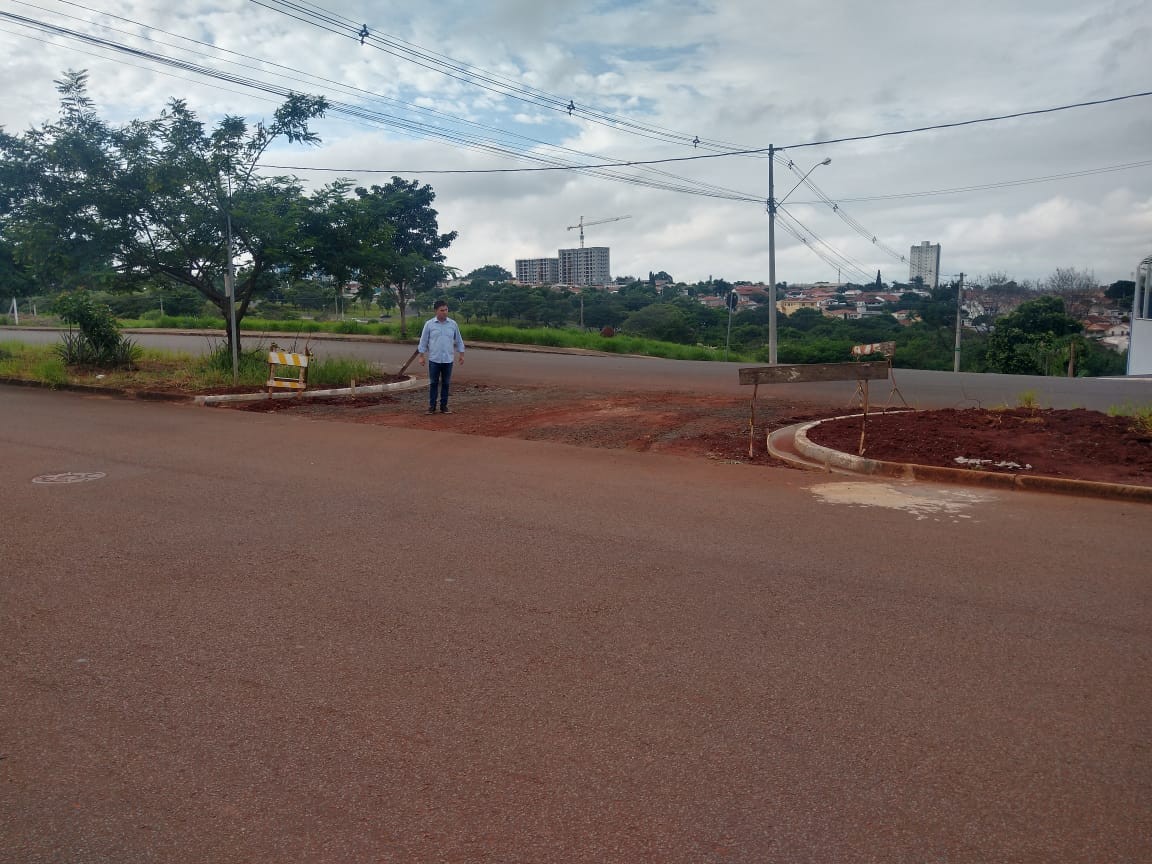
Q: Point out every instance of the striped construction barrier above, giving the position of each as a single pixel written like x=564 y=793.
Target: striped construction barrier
x=885 y=348
x=287 y=370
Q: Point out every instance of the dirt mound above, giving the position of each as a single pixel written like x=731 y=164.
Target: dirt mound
x=1073 y=444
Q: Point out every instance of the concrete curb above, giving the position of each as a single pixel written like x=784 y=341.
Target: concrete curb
x=408 y=384
x=828 y=459
x=96 y=390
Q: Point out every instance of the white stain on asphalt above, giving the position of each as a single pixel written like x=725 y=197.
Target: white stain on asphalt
x=923 y=502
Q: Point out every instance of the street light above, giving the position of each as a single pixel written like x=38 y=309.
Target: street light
x=773 y=204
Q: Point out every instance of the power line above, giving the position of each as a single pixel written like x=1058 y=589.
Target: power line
x=405 y=125
x=848 y=220
x=959 y=123
x=670 y=159
x=493 y=82
x=410 y=127
x=1003 y=184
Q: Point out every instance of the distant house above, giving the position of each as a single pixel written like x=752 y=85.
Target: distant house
x=757 y=292
x=1096 y=329
x=789 y=305
x=843 y=314
x=1118 y=337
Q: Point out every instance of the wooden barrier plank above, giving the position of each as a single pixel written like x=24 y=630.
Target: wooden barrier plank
x=814 y=372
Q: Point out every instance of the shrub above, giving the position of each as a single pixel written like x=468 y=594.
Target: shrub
x=99 y=342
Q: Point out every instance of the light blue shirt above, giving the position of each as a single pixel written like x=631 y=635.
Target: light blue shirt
x=440 y=340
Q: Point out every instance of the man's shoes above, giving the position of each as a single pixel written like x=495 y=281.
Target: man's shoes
x=445 y=410
x=431 y=410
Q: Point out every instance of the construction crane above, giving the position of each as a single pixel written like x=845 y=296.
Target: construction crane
x=582 y=225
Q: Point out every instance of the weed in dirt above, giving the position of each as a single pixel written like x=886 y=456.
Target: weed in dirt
x=1028 y=399
x=1141 y=416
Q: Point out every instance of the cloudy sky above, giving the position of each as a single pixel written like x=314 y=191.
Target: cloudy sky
x=454 y=93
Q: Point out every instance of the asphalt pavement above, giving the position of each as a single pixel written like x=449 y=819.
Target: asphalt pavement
x=520 y=365
x=237 y=637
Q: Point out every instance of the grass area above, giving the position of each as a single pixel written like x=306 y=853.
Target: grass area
x=564 y=338
x=265 y=325
x=548 y=336
x=165 y=371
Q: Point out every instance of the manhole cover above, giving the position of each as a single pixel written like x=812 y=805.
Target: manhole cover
x=70 y=477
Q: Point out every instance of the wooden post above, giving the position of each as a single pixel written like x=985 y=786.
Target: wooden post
x=408 y=362
x=752 y=423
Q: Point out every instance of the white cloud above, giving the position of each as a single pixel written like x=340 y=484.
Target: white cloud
x=733 y=72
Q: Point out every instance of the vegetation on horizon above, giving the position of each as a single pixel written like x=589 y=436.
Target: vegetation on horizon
x=148 y=216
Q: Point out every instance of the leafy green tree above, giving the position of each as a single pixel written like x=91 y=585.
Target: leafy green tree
x=15 y=279
x=308 y=294
x=89 y=203
x=637 y=296
x=348 y=240
x=182 y=300
x=1030 y=340
x=804 y=320
x=1122 y=291
x=601 y=309
x=659 y=321
x=489 y=273
x=412 y=260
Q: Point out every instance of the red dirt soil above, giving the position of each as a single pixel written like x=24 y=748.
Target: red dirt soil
x=1075 y=444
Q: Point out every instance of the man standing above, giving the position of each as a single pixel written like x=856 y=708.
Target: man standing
x=440 y=344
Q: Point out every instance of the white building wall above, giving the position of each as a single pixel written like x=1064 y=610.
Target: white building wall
x=924 y=261
x=1140 y=343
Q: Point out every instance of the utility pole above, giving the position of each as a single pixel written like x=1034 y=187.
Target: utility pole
x=730 y=302
x=771 y=257
x=230 y=290
x=959 y=315
x=773 y=205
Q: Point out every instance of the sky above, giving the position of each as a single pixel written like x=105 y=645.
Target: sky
x=468 y=97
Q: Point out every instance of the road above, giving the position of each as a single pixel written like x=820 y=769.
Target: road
x=922 y=389
x=259 y=638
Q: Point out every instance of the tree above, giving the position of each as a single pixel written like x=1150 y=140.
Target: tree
x=489 y=273
x=15 y=279
x=601 y=309
x=1032 y=339
x=413 y=259
x=1122 y=291
x=97 y=204
x=348 y=241
x=660 y=321
x=1069 y=279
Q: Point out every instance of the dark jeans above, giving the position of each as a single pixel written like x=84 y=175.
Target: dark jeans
x=439 y=375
